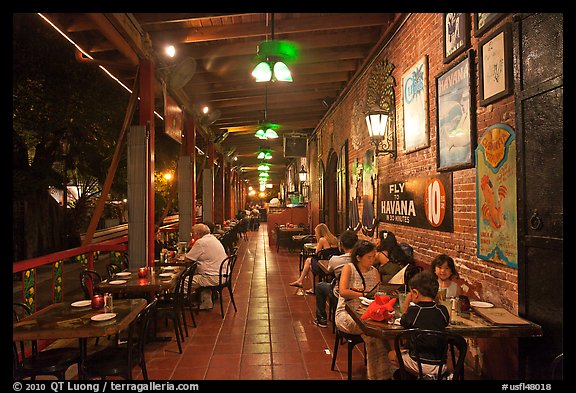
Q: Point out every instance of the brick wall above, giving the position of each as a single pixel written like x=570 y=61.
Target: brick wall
x=422 y=35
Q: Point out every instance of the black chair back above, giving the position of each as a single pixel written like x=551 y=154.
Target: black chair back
x=327 y=253
x=53 y=361
x=88 y=279
x=431 y=347
x=120 y=360
x=226 y=270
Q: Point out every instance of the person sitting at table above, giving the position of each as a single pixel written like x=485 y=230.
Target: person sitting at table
x=208 y=253
x=390 y=257
x=444 y=270
x=424 y=313
x=325 y=290
x=159 y=243
x=325 y=240
x=358 y=278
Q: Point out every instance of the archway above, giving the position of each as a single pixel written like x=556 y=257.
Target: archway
x=331 y=192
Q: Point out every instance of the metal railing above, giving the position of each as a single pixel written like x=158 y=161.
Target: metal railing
x=111 y=242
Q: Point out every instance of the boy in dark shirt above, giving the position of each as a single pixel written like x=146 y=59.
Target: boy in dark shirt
x=423 y=313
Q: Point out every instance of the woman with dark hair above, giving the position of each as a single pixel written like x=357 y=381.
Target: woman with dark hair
x=390 y=257
x=357 y=279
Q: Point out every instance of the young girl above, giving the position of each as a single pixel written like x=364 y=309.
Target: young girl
x=357 y=279
x=325 y=240
x=444 y=269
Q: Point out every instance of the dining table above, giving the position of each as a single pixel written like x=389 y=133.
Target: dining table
x=77 y=320
x=157 y=280
x=473 y=324
x=286 y=233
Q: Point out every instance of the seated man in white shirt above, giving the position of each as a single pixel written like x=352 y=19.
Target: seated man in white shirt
x=324 y=290
x=208 y=253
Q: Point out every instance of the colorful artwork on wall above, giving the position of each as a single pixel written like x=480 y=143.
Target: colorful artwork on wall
x=497 y=236
x=415 y=106
x=454 y=113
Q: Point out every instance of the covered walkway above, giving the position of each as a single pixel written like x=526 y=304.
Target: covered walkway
x=271 y=337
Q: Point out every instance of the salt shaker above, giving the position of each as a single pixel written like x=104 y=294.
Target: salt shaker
x=108 y=301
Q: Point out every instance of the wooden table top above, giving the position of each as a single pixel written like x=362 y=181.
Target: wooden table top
x=62 y=320
x=474 y=326
x=153 y=282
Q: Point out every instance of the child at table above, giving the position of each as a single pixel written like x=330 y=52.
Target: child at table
x=423 y=314
x=444 y=270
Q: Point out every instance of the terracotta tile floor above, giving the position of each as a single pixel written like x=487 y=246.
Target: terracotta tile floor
x=271 y=337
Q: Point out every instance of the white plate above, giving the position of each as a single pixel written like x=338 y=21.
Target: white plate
x=103 y=317
x=168 y=269
x=165 y=274
x=117 y=282
x=481 y=304
x=123 y=274
x=365 y=301
x=81 y=303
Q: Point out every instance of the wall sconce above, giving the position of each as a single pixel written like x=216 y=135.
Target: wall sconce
x=381 y=134
x=302 y=175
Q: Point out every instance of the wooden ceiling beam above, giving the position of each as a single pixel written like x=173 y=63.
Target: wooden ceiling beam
x=259 y=29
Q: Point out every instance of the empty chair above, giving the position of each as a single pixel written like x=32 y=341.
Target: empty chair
x=225 y=280
x=352 y=340
x=324 y=254
x=119 y=360
x=430 y=347
x=171 y=306
x=53 y=362
x=112 y=269
x=557 y=369
x=305 y=253
x=88 y=279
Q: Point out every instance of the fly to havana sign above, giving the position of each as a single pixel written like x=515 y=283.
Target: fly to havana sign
x=423 y=202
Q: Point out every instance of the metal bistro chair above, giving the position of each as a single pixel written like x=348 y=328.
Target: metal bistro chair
x=304 y=253
x=352 y=340
x=120 y=360
x=53 y=362
x=88 y=279
x=323 y=255
x=171 y=306
x=431 y=347
x=225 y=280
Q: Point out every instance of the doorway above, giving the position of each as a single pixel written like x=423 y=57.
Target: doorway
x=539 y=120
x=332 y=192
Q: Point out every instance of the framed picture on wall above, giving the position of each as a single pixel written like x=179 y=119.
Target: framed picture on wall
x=484 y=21
x=415 y=106
x=456 y=35
x=495 y=65
x=455 y=142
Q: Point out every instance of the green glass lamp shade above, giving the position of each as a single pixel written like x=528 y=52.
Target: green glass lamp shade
x=261 y=134
x=281 y=72
x=263 y=167
x=262 y=72
x=270 y=133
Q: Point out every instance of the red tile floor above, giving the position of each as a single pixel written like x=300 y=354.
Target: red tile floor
x=271 y=337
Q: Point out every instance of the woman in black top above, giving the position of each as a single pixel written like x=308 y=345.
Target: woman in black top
x=390 y=256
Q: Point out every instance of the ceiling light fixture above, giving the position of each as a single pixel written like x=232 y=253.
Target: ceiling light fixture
x=273 y=56
x=266 y=130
